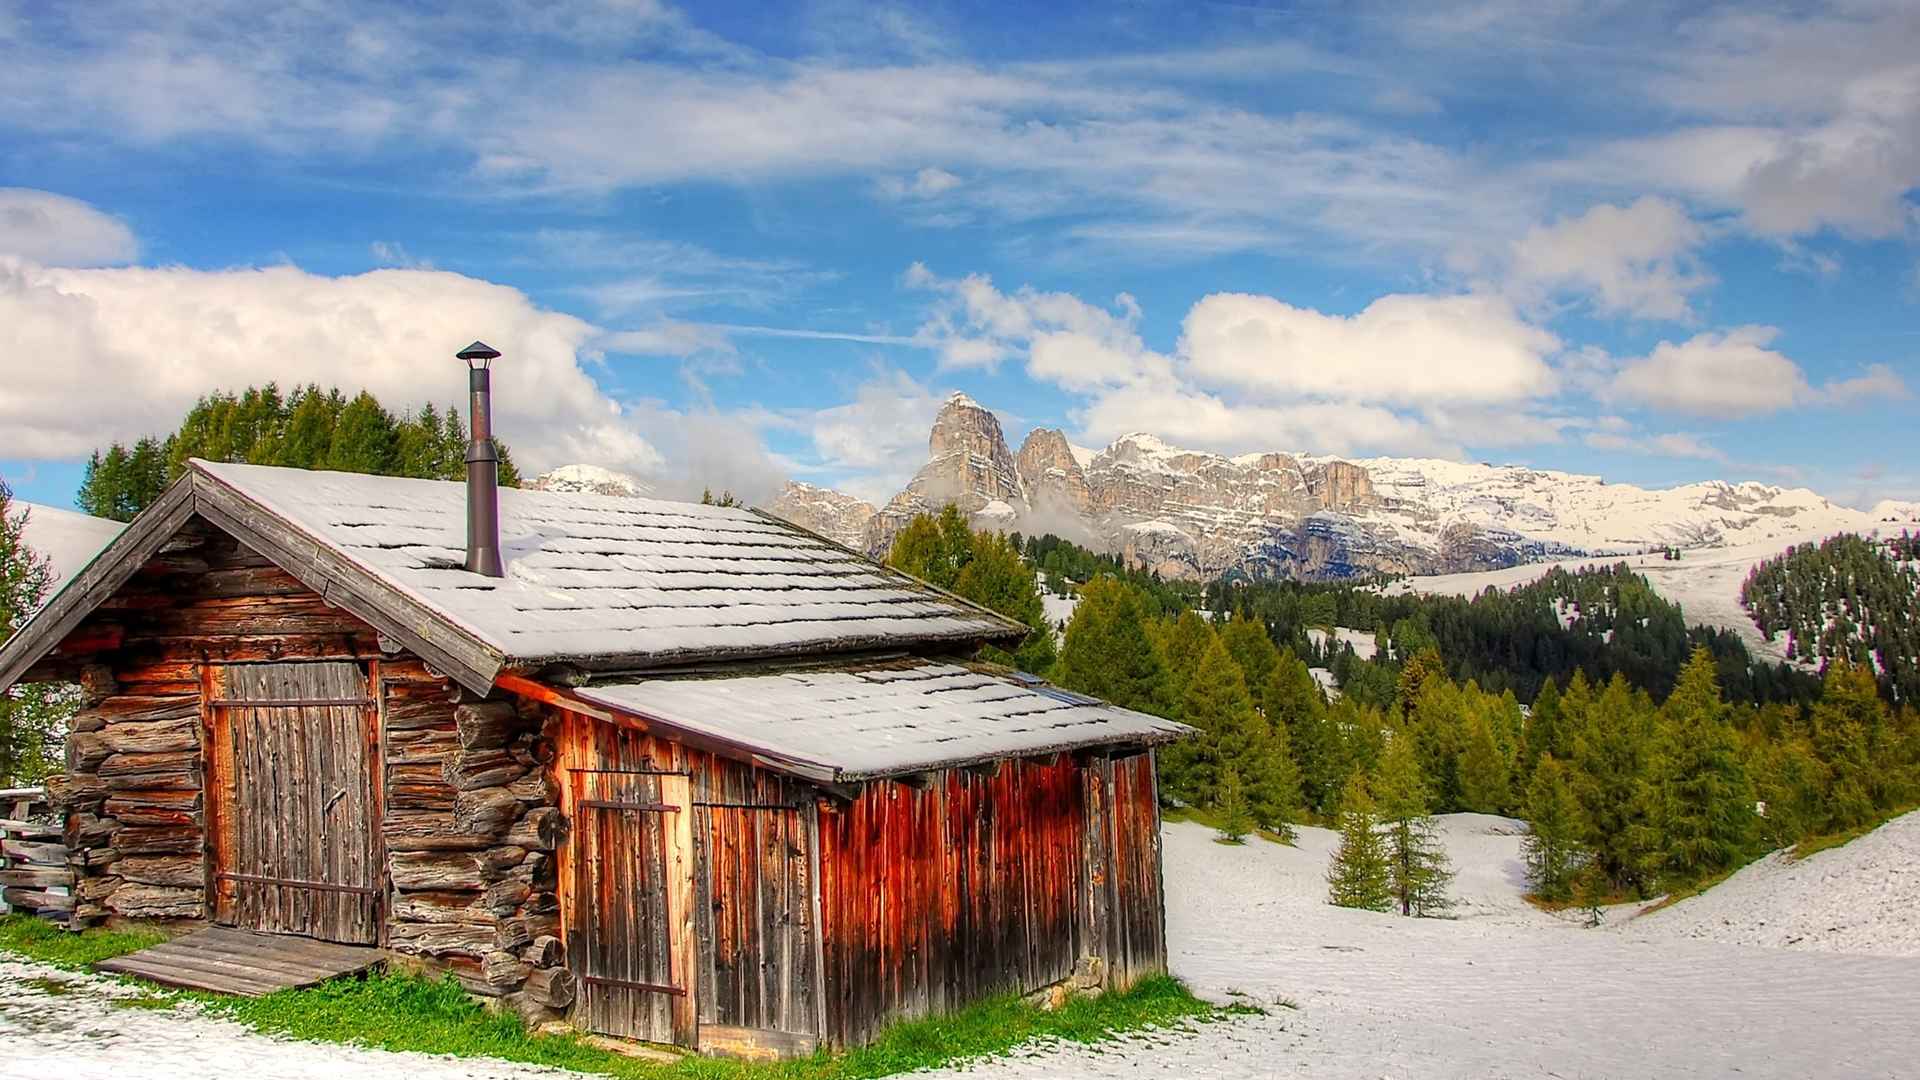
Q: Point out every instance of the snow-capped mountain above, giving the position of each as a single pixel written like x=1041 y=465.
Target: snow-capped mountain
x=590 y=478
x=1191 y=513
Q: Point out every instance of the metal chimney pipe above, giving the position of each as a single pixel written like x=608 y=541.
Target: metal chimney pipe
x=483 y=466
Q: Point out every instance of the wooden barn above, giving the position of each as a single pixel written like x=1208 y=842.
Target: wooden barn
x=682 y=773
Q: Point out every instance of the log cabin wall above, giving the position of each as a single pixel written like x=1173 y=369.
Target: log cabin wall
x=939 y=894
x=468 y=815
x=756 y=945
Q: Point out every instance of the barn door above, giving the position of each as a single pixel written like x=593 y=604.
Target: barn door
x=633 y=896
x=293 y=799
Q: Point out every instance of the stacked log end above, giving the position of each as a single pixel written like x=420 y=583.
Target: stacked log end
x=132 y=800
x=471 y=826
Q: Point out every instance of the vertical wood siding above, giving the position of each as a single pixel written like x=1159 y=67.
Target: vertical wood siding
x=754 y=922
x=296 y=853
x=975 y=885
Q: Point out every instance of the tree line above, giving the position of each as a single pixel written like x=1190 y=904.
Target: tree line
x=307 y=429
x=1628 y=792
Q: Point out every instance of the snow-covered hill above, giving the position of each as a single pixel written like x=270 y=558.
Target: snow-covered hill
x=592 y=479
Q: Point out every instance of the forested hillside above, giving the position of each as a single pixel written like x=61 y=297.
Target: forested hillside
x=1849 y=598
x=308 y=429
x=1646 y=756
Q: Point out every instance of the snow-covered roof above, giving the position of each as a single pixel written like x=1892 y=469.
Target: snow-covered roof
x=68 y=538
x=595 y=581
x=884 y=718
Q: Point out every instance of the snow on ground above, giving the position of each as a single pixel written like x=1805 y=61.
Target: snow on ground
x=1059 y=609
x=1705 y=582
x=1859 y=898
x=1362 y=641
x=67 y=538
x=1499 y=990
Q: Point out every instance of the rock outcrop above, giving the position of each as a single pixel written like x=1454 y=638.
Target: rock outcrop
x=837 y=516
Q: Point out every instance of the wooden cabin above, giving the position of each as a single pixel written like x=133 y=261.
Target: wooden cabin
x=685 y=774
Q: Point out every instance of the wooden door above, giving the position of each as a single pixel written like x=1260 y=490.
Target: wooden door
x=633 y=893
x=294 y=800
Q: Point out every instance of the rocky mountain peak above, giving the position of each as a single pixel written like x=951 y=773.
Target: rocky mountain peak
x=835 y=515
x=1055 y=483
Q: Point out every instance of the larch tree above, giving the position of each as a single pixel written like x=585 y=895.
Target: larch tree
x=1183 y=640
x=1417 y=869
x=1298 y=710
x=984 y=568
x=1704 y=798
x=1236 y=817
x=1252 y=648
x=1543 y=734
x=1485 y=786
x=1612 y=751
x=1357 y=877
x=1552 y=848
x=1107 y=652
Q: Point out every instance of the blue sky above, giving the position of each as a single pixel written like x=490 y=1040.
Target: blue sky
x=722 y=246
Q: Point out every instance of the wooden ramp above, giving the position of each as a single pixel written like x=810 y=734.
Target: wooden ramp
x=230 y=961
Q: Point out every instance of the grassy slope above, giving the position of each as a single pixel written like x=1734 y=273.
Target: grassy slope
x=401 y=1012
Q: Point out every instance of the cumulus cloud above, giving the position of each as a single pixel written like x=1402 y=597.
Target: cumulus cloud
x=138 y=346
x=1636 y=259
x=55 y=230
x=877 y=440
x=1735 y=374
x=1401 y=349
x=1405 y=374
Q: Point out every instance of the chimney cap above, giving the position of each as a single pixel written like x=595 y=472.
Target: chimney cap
x=480 y=351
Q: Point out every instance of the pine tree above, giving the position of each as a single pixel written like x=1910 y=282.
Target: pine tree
x=1357 y=877
x=1233 y=737
x=1555 y=823
x=1543 y=727
x=934 y=548
x=33 y=716
x=1705 y=800
x=996 y=577
x=1107 y=653
x=364 y=438
x=1484 y=784
x=1417 y=869
x=1849 y=726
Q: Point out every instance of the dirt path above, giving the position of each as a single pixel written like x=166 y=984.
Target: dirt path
x=1501 y=991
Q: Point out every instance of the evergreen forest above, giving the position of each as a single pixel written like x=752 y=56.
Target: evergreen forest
x=307 y=429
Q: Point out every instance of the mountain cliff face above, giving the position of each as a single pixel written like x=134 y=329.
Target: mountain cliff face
x=834 y=515
x=1189 y=513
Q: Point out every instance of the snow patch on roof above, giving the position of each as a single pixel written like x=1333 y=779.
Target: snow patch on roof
x=68 y=538
x=885 y=719
x=599 y=579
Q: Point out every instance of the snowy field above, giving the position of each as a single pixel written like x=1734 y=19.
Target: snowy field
x=1500 y=990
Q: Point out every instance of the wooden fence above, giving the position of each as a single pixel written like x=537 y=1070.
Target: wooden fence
x=34 y=875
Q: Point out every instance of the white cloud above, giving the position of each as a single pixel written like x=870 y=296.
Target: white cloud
x=928 y=183
x=1734 y=374
x=54 y=230
x=1731 y=374
x=1672 y=444
x=139 y=346
x=1401 y=349
x=1636 y=259
x=1878 y=384
x=877 y=440
x=1416 y=374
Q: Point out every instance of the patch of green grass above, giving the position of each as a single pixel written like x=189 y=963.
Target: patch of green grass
x=38 y=939
x=393 y=1011
x=1211 y=819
